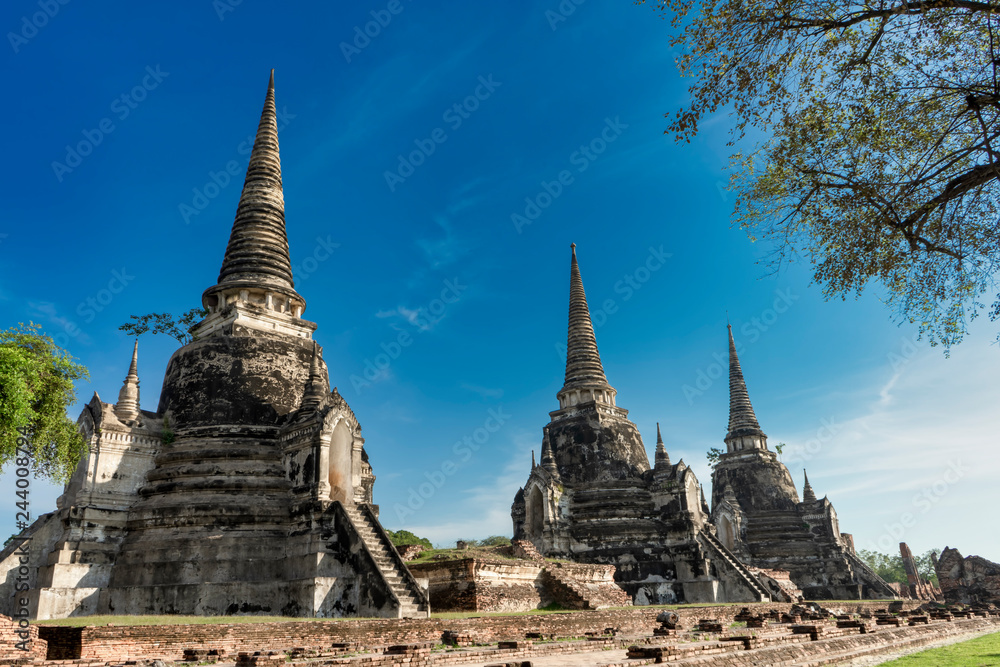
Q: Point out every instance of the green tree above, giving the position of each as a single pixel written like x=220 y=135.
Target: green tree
x=925 y=565
x=871 y=141
x=495 y=541
x=164 y=323
x=36 y=387
x=713 y=455
x=888 y=567
x=401 y=537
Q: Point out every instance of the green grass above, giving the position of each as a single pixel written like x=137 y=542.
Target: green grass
x=980 y=652
x=444 y=555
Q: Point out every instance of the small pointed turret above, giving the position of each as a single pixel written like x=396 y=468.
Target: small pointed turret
x=127 y=407
x=549 y=461
x=533 y=466
x=585 y=380
x=257 y=255
x=744 y=431
x=662 y=457
x=316 y=388
x=808 y=496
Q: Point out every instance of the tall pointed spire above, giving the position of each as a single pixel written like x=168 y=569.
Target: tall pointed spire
x=257 y=254
x=583 y=362
x=127 y=407
x=742 y=420
x=808 y=495
x=533 y=465
x=662 y=457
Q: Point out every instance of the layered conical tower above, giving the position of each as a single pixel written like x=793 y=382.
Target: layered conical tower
x=744 y=431
x=589 y=438
x=257 y=258
x=585 y=379
x=758 y=479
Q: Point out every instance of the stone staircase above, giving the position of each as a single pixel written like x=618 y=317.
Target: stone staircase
x=719 y=551
x=413 y=601
x=868 y=576
x=569 y=593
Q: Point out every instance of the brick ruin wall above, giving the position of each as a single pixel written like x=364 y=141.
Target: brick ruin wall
x=169 y=641
x=12 y=638
x=479 y=584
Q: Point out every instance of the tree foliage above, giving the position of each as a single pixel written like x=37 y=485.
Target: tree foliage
x=164 y=323
x=872 y=141
x=891 y=567
x=713 y=455
x=401 y=537
x=36 y=388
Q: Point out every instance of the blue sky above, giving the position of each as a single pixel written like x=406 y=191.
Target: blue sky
x=123 y=120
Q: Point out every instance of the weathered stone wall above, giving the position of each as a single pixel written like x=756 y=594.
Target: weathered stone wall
x=169 y=641
x=972 y=579
x=233 y=379
x=594 y=442
x=44 y=533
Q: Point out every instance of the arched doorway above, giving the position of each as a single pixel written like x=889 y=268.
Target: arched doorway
x=341 y=445
x=536 y=513
x=726 y=533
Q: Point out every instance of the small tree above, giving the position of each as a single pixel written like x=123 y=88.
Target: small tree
x=496 y=541
x=925 y=565
x=36 y=388
x=164 y=323
x=713 y=457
